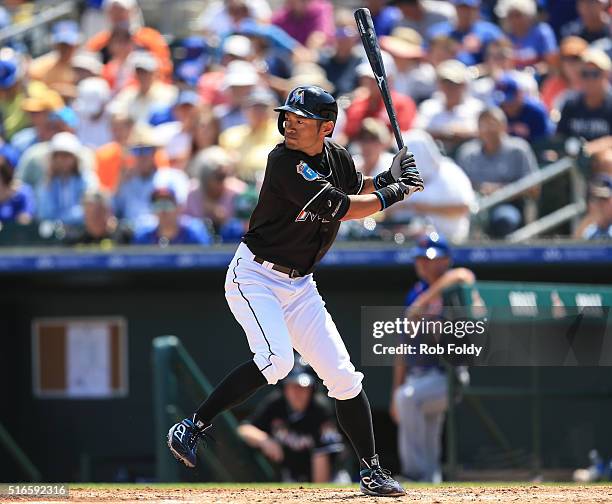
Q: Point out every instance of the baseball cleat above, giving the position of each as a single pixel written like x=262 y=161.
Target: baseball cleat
x=377 y=482
x=183 y=440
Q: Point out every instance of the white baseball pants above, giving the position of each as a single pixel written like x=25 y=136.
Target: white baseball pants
x=279 y=314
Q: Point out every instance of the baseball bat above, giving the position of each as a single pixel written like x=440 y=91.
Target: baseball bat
x=365 y=26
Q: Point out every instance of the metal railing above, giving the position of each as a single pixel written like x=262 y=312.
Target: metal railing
x=34 y=33
x=509 y=192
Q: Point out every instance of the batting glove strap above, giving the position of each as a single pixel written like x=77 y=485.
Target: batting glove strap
x=383 y=179
x=389 y=195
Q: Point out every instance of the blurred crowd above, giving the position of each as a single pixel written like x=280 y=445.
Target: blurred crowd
x=121 y=134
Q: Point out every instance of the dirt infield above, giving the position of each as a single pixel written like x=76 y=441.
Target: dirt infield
x=252 y=495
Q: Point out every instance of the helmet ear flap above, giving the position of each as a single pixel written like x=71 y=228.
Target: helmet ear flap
x=281 y=123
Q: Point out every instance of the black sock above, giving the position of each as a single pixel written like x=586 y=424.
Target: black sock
x=355 y=419
x=235 y=388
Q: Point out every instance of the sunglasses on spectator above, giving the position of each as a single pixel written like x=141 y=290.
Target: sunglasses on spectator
x=143 y=150
x=591 y=74
x=219 y=176
x=163 y=205
x=571 y=59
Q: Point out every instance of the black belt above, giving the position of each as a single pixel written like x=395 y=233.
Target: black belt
x=290 y=272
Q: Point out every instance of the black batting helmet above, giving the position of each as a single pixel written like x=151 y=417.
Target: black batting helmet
x=312 y=102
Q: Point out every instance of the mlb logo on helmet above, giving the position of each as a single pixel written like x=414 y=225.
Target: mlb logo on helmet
x=297 y=96
x=306 y=171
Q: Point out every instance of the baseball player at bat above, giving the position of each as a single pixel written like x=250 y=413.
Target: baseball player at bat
x=310 y=186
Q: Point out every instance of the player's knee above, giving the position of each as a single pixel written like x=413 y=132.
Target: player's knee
x=283 y=364
x=279 y=366
x=346 y=384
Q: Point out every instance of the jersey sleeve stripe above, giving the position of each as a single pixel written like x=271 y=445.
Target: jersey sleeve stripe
x=361 y=177
x=314 y=197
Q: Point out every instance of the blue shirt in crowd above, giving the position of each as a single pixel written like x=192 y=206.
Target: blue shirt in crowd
x=22 y=202
x=132 y=200
x=532 y=122
x=538 y=43
x=484 y=31
x=60 y=199
x=418 y=362
x=191 y=231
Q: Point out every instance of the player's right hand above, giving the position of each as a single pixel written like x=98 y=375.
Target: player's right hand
x=411 y=181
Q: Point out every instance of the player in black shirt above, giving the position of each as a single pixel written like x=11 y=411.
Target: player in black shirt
x=310 y=186
x=295 y=428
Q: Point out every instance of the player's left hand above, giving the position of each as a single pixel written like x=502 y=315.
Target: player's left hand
x=402 y=162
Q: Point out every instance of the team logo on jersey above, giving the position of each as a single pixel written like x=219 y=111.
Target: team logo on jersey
x=308 y=216
x=306 y=171
x=297 y=96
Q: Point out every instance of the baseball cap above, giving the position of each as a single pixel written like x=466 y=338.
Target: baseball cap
x=401 y=48
x=506 y=89
x=526 y=7
x=260 y=96
x=372 y=127
x=300 y=376
x=573 y=46
x=454 y=71
x=598 y=58
x=187 y=97
x=65 y=142
x=66 y=32
x=8 y=73
x=143 y=136
x=408 y=34
x=601 y=186
x=65 y=115
x=10 y=154
x=240 y=73
x=92 y=94
x=163 y=193
x=310 y=74
x=86 y=60
x=432 y=246
x=143 y=60
x=365 y=70
x=238 y=46
x=126 y=4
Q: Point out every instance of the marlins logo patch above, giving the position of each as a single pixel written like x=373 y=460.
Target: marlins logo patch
x=297 y=96
x=306 y=171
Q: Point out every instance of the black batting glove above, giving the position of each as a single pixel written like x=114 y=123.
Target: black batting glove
x=411 y=182
x=390 y=194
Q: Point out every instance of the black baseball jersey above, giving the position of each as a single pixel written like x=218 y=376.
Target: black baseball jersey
x=285 y=228
x=300 y=434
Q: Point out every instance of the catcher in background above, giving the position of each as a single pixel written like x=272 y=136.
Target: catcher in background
x=295 y=428
x=420 y=382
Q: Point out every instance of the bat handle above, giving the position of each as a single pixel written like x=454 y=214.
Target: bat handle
x=398 y=139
